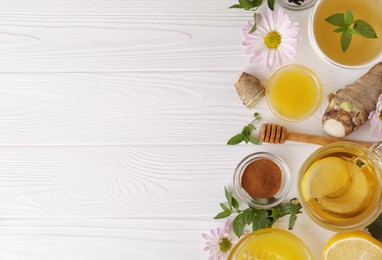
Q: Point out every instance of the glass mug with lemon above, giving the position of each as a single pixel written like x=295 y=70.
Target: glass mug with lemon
x=347 y=33
x=340 y=186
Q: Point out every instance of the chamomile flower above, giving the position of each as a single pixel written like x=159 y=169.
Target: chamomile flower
x=220 y=241
x=376 y=119
x=274 y=40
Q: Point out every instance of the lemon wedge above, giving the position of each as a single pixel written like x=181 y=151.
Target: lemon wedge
x=352 y=246
x=328 y=177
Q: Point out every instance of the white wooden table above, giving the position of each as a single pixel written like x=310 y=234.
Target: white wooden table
x=114 y=118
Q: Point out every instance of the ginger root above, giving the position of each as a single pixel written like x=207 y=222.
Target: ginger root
x=349 y=108
x=249 y=89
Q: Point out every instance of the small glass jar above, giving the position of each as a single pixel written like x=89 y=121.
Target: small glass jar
x=270 y=243
x=294 y=92
x=262 y=203
x=296 y=7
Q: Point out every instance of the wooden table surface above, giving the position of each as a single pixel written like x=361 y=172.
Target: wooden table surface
x=114 y=118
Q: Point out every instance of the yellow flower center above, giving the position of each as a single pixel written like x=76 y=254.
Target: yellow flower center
x=272 y=39
x=225 y=244
x=380 y=115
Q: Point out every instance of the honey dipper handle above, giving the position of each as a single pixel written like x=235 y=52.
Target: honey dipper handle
x=322 y=140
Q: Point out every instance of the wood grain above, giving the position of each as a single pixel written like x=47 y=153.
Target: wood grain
x=131 y=108
x=113 y=121
x=125 y=181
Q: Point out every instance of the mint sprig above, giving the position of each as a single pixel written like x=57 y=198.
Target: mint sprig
x=253 y=5
x=257 y=218
x=246 y=134
x=348 y=27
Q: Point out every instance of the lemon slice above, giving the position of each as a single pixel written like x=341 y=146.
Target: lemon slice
x=352 y=246
x=354 y=198
x=328 y=177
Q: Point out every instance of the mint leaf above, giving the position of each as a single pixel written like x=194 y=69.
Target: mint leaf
x=223 y=214
x=260 y=220
x=271 y=4
x=341 y=29
x=224 y=207
x=236 y=6
x=236 y=139
x=257 y=3
x=254 y=140
x=337 y=20
x=238 y=225
x=292 y=221
x=235 y=203
x=364 y=29
x=345 y=40
x=246 y=4
x=254 y=27
x=228 y=196
x=348 y=17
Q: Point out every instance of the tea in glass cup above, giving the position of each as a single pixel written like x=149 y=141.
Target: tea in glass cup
x=362 y=52
x=340 y=186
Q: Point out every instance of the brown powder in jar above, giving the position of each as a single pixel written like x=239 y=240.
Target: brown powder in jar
x=261 y=178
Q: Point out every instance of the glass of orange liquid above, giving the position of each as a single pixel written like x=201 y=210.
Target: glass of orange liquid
x=362 y=52
x=294 y=92
x=270 y=243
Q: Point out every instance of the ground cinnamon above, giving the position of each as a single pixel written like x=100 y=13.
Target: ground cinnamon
x=261 y=178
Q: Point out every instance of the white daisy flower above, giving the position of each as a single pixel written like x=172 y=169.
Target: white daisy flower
x=274 y=40
x=220 y=242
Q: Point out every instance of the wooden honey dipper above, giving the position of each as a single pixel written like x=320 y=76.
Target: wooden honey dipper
x=277 y=134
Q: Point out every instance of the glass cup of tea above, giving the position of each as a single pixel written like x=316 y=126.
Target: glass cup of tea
x=340 y=186
x=362 y=52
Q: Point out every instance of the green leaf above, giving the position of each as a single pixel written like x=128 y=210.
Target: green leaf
x=290 y=208
x=292 y=221
x=340 y=29
x=348 y=17
x=245 y=130
x=246 y=4
x=345 y=40
x=364 y=29
x=375 y=228
x=257 y=115
x=246 y=139
x=271 y=4
x=276 y=213
x=250 y=128
x=248 y=215
x=224 y=207
x=254 y=140
x=236 y=6
x=260 y=220
x=238 y=225
x=256 y=3
x=235 y=203
x=336 y=19
x=254 y=27
x=236 y=139
x=228 y=196
x=351 y=30
x=223 y=214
